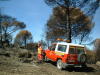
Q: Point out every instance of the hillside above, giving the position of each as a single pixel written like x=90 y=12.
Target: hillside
x=11 y=63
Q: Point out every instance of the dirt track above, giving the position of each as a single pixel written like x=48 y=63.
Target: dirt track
x=12 y=66
x=50 y=69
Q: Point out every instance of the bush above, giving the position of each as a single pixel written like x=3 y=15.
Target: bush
x=97 y=48
x=5 y=53
x=24 y=54
x=91 y=57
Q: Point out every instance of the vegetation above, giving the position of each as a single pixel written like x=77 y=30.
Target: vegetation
x=23 y=38
x=88 y=7
x=9 y=25
x=91 y=56
x=70 y=19
x=97 y=48
x=81 y=25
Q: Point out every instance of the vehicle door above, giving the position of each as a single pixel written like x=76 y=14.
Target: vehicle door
x=72 y=55
x=61 y=50
x=51 y=54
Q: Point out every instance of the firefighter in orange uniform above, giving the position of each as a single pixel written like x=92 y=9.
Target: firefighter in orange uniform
x=40 y=51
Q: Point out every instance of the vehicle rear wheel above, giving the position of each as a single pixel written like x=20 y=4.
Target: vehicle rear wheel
x=59 y=64
x=82 y=58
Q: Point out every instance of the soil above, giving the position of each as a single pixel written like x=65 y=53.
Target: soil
x=13 y=66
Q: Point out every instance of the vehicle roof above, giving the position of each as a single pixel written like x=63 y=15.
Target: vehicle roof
x=65 y=43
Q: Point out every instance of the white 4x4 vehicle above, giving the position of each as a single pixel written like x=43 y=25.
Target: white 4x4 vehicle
x=66 y=54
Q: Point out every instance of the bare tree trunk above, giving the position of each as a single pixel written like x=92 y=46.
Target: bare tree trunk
x=25 y=42
x=69 y=33
x=0 y=34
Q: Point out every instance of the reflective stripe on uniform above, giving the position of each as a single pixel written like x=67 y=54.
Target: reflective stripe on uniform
x=39 y=50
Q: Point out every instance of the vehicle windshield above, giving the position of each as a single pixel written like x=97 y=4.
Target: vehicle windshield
x=62 y=48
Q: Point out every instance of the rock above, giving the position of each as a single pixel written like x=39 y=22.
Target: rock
x=98 y=63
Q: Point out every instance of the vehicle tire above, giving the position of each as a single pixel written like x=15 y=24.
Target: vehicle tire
x=59 y=64
x=82 y=58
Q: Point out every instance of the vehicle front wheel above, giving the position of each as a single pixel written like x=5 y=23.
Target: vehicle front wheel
x=59 y=64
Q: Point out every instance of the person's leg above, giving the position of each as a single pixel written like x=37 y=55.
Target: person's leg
x=39 y=58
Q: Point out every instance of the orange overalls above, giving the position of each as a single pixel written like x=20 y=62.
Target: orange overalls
x=40 y=57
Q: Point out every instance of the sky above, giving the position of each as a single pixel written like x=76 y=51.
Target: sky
x=35 y=13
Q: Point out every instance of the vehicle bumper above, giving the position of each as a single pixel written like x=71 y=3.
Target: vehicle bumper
x=71 y=65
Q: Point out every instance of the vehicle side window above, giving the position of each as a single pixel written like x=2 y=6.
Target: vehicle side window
x=72 y=50
x=52 y=47
x=62 y=48
x=80 y=50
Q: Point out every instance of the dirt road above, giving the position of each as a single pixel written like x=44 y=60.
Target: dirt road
x=50 y=69
x=16 y=68
x=12 y=66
